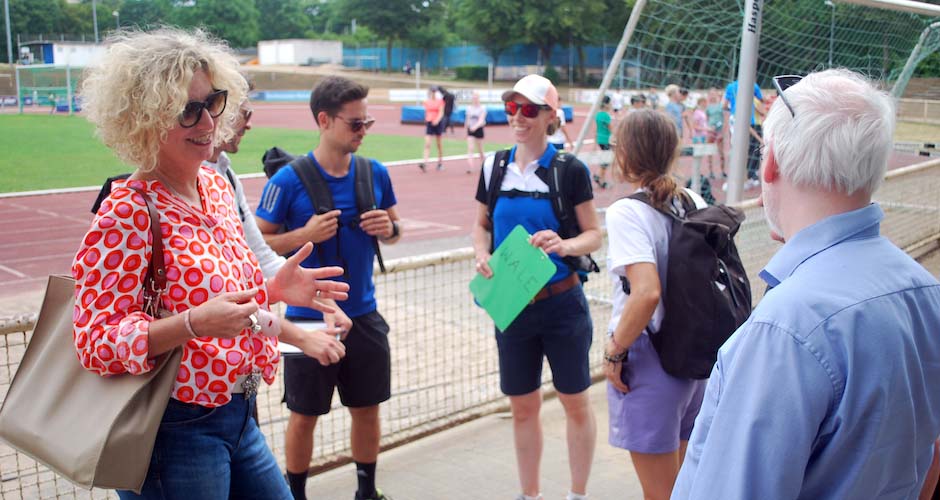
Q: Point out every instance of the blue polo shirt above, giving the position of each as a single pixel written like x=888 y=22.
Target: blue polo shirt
x=534 y=214
x=731 y=95
x=829 y=390
x=284 y=201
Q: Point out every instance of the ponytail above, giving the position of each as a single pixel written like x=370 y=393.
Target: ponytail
x=647 y=148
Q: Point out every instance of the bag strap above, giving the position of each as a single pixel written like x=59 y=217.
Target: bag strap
x=557 y=171
x=231 y=180
x=314 y=183
x=155 y=280
x=365 y=197
x=500 y=159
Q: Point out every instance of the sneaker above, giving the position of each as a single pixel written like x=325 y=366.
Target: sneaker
x=378 y=496
x=597 y=179
x=440 y=167
x=724 y=186
x=522 y=497
x=422 y=167
x=751 y=183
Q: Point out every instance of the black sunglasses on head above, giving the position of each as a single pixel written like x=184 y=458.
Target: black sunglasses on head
x=214 y=104
x=529 y=110
x=357 y=124
x=782 y=83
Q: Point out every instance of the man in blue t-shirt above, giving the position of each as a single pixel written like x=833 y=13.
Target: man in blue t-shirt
x=343 y=237
x=753 y=147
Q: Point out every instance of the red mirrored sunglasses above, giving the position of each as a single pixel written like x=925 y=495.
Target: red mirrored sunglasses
x=529 y=110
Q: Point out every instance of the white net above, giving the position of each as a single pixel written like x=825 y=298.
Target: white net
x=696 y=43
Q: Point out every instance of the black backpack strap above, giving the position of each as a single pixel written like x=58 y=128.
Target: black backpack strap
x=231 y=180
x=365 y=196
x=500 y=160
x=317 y=190
x=105 y=191
x=564 y=212
x=558 y=170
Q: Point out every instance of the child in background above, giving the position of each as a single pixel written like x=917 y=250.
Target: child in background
x=700 y=121
x=602 y=120
x=716 y=125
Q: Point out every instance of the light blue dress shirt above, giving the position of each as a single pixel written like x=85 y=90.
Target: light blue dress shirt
x=831 y=389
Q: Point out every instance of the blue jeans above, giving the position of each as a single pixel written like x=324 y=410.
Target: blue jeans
x=211 y=453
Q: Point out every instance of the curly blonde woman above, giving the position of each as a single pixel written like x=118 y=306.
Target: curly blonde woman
x=162 y=101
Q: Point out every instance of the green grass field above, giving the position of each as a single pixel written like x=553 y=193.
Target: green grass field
x=46 y=152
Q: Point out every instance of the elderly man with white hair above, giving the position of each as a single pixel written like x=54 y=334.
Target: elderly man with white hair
x=829 y=390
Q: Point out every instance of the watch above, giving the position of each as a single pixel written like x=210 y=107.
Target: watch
x=395 y=230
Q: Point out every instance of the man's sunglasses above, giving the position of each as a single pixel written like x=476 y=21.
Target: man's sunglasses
x=528 y=110
x=358 y=124
x=782 y=83
x=214 y=104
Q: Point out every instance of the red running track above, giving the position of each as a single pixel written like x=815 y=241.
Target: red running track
x=42 y=232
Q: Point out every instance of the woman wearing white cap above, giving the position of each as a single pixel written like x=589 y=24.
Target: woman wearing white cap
x=557 y=323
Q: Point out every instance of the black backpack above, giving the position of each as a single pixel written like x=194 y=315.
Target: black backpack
x=707 y=293
x=319 y=191
x=564 y=211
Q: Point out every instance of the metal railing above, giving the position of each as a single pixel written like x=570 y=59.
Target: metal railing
x=445 y=368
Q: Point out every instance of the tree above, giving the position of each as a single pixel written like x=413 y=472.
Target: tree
x=550 y=22
x=491 y=24
x=235 y=21
x=391 y=19
x=293 y=18
x=146 y=13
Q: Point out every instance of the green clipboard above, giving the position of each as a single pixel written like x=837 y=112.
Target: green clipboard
x=520 y=270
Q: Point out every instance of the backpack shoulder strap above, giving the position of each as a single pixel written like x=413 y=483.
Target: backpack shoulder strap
x=317 y=189
x=365 y=197
x=231 y=180
x=500 y=160
x=564 y=212
x=365 y=189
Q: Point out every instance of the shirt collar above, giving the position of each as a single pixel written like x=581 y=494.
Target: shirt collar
x=862 y=223
x=544 y=161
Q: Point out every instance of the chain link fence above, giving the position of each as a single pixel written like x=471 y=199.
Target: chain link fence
x=445 y=368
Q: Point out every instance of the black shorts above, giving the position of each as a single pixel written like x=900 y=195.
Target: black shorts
x=432 y=129
x=478 y=133
x=363 y=376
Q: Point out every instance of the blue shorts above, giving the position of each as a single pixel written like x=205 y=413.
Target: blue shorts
x=558 y=328
x=432 y=129
x=658 y=411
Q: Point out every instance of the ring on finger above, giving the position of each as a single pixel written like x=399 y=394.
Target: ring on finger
x=255 y=326
x=317 y=293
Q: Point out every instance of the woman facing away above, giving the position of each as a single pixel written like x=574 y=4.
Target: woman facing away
x=651 y=412
x=557 y=323
x=162 y=101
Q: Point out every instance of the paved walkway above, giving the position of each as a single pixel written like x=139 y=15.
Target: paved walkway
x=476 y=461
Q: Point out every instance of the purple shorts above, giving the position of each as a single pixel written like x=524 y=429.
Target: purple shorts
x=658 y=411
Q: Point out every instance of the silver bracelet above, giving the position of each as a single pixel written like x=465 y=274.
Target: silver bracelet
x=189 y=326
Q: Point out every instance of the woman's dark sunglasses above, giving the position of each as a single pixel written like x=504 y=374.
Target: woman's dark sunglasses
x=214 y=104
x=528 y=110
x=783 y=82
x=358 y=124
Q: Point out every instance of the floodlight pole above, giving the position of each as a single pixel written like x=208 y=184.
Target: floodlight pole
x=611 y=71
x=6 y=10
x=94 y=18
x=744 y=101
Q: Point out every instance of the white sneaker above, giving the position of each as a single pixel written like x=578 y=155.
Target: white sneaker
x=751 y=183
x=724 y=186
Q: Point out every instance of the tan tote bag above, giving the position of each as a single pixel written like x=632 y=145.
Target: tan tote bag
x=95 y=431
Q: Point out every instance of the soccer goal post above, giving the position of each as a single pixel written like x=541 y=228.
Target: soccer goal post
x=47 y=85
x=698 y=44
